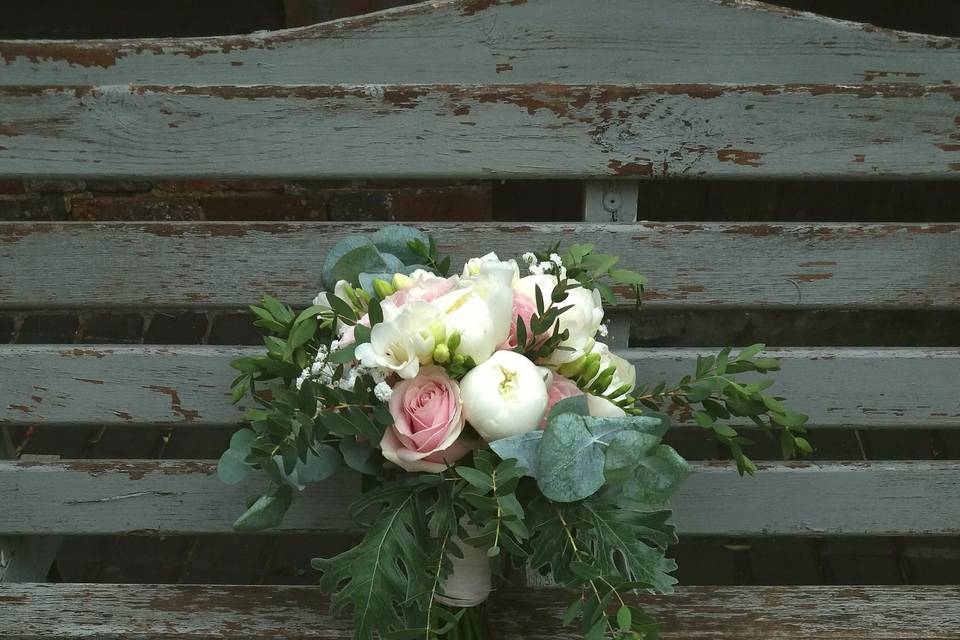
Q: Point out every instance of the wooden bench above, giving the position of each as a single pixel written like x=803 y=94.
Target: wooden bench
x=605 y=91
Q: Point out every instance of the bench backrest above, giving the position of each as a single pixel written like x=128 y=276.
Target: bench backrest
x=607 y=91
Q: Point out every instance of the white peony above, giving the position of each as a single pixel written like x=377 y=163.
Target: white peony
x=504 y=396
x=582 y=320
x=480 y=310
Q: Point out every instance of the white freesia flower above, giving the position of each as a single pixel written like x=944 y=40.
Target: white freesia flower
x=480 y=310
x=390 y=347
x=423 y=322
x=625 y=373
x=504 y=396
x=473 y=266
x=582 y=320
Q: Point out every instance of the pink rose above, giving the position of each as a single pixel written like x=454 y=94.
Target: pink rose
x=559 y=389
x=428 y=421
x=524 y=308
x=427 y=289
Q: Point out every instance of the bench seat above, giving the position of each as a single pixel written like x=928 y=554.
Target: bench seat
x=194 y=612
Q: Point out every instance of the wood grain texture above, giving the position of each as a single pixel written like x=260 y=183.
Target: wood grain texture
x=187 y=385
x=104 y=497
x=401 y=131
x=209 y=612
x=205 y=265
x=513 y=41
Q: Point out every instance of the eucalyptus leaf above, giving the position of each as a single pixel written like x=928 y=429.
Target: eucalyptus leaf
x=395 y=239
x=349 y=258
x=571 y=461
x=625 y=452
x=524 y=448
x=267 y=511
x=656 y=478
x=576 y=405
x=360 y=456
x=232 y=467
x=319 y=466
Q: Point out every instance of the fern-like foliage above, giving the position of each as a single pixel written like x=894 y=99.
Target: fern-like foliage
x=392 y=559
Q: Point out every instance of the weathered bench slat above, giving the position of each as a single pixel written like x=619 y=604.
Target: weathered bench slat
x=503 y=131
x=717 y=264
x=189 y=385
x=195 y=612
x=514 y=41
x=102 y=497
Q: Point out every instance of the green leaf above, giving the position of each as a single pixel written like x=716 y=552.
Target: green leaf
x=524 y=448
x=571 y=462
x=749 y=352
x=302 y=333
x=376 y=576
x=657 y=477
x=319 y=466
x=342 y=309
x=360 y=456
x=625 y=452
x=576 y=405
x=396 y=239
x=348 y=258
x=625 y=276
x=267 y=511
x=617 y=540
x=624 y=618
x=232 y=467
x=475 y=478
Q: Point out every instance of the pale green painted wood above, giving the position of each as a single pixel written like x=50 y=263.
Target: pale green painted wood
x=63 y=265
x=23 y=558
x=220 y=612
x=492 y=131
x=147 y=497
x=490 y=41
x=189 y=385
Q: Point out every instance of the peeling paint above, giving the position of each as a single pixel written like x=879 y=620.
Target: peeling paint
x=739 y=156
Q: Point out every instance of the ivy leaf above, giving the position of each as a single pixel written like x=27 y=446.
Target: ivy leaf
x=375 y=577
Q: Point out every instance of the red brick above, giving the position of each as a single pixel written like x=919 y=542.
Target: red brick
x=219 y=186
x=466 y=203
x=11 y=187
x=264 y=207
x=359 y=205
x=135 y=208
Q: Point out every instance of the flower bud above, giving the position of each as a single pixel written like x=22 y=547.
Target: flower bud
x=441 y=354
x=402 y=281
x=382 y=288
x=453 y=341
x=572 y=369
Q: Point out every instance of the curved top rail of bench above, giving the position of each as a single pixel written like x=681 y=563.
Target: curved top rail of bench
x=564 y=89
x=516 y=42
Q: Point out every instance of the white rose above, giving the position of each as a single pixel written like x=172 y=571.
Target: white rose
x=603 y=408
x=473 y=266
x=625 y=372
x=480 y=311
x=504 y=396
x=582 y=320
x=390 y=347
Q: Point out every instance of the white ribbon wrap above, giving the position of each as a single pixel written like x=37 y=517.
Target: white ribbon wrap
x=470 y=581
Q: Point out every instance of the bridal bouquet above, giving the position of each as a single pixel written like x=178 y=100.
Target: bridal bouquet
x=493 y=428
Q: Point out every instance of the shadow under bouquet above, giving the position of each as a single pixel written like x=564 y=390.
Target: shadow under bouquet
x=493 y=428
